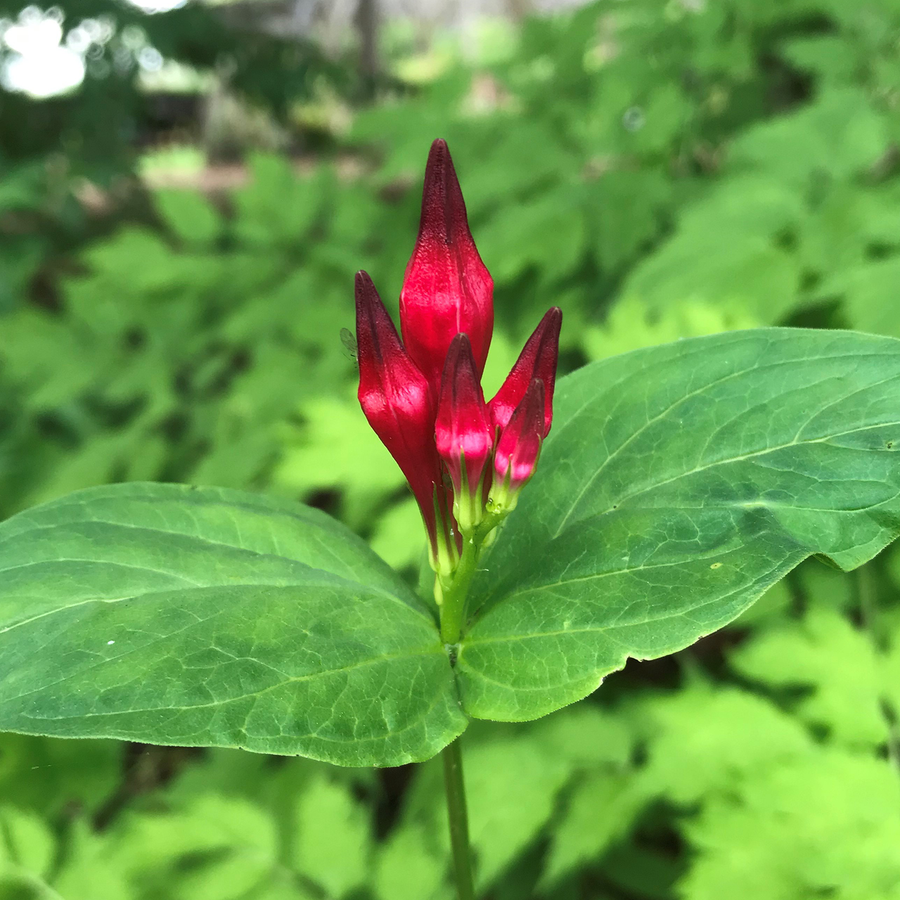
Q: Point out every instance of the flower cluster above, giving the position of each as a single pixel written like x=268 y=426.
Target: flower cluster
x=466 y=460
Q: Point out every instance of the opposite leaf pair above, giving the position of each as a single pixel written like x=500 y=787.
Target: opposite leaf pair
x=423 y=395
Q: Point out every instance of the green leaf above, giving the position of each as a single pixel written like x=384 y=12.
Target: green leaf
x=630 y=325
x=336 y=447
x=839 y=135
x=771 y=606
x=408 y=869
x=869 y=294
x=586 y=736
x=831 y=58
x=26 y=842
x=72 y=774
x=398 y=537
x=89 y=870
x=746 y=204
x=836 y=235
x=547 y=232
x=624 y=213
x=332 y=843
x=213 y=848
x=705 y=741
x=826 y=825
x=679 y=483
x=277 y=206
x=512 y=781
x=172 y=615
x=512 y=785
x=747 y=275
x=600 y=811
x=826 y=653
x=188 y=215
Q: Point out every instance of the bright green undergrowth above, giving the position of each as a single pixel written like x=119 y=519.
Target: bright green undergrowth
x=659 y=170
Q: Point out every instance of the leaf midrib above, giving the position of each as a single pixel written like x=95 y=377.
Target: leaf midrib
x=690 y=395
x=286 y=679
x=732 y=459
x=195 y=501
x=610 y=573
x=780 y=568
x=127 y=736
x=183 y=496
x=328 y=579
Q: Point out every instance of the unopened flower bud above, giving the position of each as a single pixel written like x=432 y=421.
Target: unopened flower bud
x=538 y=359
x=397 y=400
x=518 y=449
x=463 y=432
x=447 y=289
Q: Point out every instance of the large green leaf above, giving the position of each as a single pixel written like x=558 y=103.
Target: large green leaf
x=679 y=483
x=173 y=615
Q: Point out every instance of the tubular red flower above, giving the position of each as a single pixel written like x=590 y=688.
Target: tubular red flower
x=446 y=289
x=423 y=397
x=538 y=359
x=519 y=447
x=463 y=431
x=397 y=399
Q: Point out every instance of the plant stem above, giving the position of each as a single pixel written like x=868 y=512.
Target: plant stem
x=453 y=608
x=454 y=593
x=459 y=820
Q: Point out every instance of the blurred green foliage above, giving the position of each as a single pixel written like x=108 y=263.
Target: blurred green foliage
x=658 y=170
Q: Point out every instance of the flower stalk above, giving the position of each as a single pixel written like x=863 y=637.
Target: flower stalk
x=455 y=592
x=458 y=819
x=466 y=460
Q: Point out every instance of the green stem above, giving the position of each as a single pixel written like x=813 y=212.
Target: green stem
x=453 y=607
x=459 y=820
x=454 y=592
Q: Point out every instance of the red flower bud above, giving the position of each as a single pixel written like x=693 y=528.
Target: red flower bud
x=396 y=399
x=519 y=447
x=424 y=400
x=463 y=431
x=446 y=289
x=537 y=360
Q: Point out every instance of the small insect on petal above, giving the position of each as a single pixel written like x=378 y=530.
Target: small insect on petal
x=348 y=339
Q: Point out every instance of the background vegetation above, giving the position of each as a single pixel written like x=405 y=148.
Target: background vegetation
x=658 y=170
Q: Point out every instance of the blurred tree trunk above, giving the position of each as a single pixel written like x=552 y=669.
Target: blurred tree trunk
x=367 y=22
x=519 y=9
